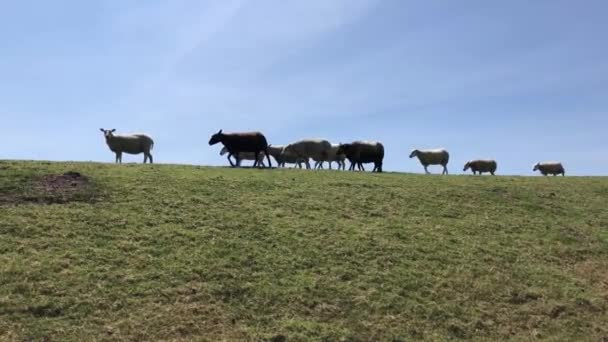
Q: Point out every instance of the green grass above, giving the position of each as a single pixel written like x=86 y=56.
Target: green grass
x=192 y=253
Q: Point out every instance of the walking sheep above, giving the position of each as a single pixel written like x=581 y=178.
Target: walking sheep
x=131 y=144
x=481 y=166
x=279 y=154
x=333 y=157
x=237 y=143
x=244 y=156
x=317 y=149
x=360 y=152
x=550 y=168
x=432 y=157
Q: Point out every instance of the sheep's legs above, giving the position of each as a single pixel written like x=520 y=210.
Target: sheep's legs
x=257 y=161
x=377 y=167
x=445 y=170
x=267 y=157
x=118 y=157
x=426 y=170
x=230 y=160
x=147 y=157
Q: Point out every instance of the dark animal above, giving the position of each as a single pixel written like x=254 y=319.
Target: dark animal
x=236 y=143
x=550 y=168
x=481 y=166
x=360 y=152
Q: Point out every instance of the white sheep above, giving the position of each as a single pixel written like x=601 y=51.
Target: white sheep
x=131 y=144
x=432 y=157
x=333 y=157
x=244 y=156
x=481 y=166
x=550 y=168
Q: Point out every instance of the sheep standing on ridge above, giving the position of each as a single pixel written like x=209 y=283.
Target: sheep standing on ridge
x=237 y=143
x=282 y=157
x=360 y=152
x=131 y=144
x=333 y=157
x=317 y=149
x=481 y=166
x=432 y=157
x=243 y=156
x=550 y=168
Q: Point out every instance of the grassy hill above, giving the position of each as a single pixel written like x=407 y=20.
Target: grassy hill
x=165 y=252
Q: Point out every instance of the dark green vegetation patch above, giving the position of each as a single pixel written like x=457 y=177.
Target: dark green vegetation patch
x=183 y=253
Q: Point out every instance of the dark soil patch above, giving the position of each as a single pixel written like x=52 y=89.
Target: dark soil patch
x=68 y=187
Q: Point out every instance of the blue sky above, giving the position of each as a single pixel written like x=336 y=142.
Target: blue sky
x=517 y=81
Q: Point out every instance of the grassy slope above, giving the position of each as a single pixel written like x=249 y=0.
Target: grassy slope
x=179 y=252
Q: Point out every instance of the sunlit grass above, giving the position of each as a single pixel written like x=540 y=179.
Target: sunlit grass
x=179 y=253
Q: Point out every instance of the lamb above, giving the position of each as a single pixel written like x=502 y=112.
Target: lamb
x=481 y=166
x=333 y=157
x=432 y=157
x=131 y=144
x=359 y=152
x=279 y=154
x=552 y=168
x=244 y=156
x=317 y=149
x=242 y=142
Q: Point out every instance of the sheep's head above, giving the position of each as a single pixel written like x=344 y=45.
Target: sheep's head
x=108 y=133
x=343 y=148
x=414 y=153
x=536 y=167
x=467 y=166
x=216 y=138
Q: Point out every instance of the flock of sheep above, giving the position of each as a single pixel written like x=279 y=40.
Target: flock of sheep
x=254 y=146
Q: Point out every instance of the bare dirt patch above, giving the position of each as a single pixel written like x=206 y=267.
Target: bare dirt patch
x=68 y=187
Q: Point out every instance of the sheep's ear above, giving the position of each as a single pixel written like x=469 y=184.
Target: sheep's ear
x=101 y=129
x=113 y=130
x=220 y=132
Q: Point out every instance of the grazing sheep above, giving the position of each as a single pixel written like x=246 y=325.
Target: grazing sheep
x=279 y=154
x=237 y=143
x=131 y=144
x=333 y=157
x=317 y=149
x=550 y=168
x=481 y=166
x=244 y=156
x=432 y=157
x=360 y=152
